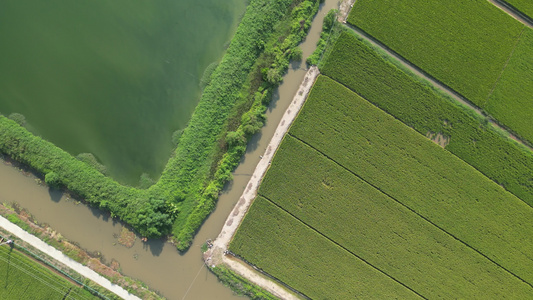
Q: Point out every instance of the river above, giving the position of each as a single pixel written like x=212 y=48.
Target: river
x=156 y=263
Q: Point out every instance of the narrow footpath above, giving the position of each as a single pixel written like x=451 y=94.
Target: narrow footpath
x=69 y=262
x=217 y=254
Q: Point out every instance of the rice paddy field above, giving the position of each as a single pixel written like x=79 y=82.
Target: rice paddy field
x=357 y=182
x=23 y=278
x=472 y=47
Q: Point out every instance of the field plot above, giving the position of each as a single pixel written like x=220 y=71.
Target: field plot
x=348 y=171
x=464 y=44
x=302 y=258
x=360 y=67
x=23 y=278
x=511 y=103
x=422 y=176
x=524 y=6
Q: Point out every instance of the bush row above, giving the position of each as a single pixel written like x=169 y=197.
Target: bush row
x=265 y=76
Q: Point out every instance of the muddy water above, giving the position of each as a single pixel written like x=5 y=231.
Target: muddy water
x=157 y=263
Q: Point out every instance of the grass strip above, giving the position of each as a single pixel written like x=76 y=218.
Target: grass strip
x=463 y=44
x=378 y=78
x=419 y=174
x=305 y=260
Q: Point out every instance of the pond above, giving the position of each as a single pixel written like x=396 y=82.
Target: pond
x=114 y=78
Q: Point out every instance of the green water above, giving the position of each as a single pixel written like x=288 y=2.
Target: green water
x=112 y=77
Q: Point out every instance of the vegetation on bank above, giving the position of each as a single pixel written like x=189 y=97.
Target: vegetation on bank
x=523 y=6
x=381 y=80
x=108 y=269
x=510 y=102
x=325 y=34
x=245 y=106
x=233 y=102
x=464 y=44
x=240 y=285
x=23 y=278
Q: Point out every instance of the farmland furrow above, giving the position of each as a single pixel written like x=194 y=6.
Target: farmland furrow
x=343 y=247
x=402 y=204
x=505 y=66
x=436 y=83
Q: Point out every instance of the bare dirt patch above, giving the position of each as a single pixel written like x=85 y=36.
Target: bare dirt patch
x=438 y=138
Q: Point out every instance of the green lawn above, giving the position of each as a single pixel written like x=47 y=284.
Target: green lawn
x=374 y=76
x=464 y=44
x=23 y=278
x=511 y=103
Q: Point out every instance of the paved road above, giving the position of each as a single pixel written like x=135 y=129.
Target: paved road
x=59 y=256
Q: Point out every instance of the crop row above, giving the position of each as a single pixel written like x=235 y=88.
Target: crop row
x=22 y=278
x=300 y=257
x=372 y=225
x=510 y=102
x=464 y=44
x=419 y=174
x=402 y=94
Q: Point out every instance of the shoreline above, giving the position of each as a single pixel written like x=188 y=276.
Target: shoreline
x=216 y=254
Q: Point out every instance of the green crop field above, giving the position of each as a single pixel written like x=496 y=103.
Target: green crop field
x=374 y=76
x=524 y=6
x=464 y=44
x=388 y=196
x=23 y=278
x=305 y=260
x=421 y=175
x=511 y=103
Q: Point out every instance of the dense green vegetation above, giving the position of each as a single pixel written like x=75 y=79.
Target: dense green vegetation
x=341 y=206
x=325 y=35
x=307 y=261
x=419 y=174
x=23 y=278
x=186 y=193
x=240 y=285
x=207 y=159
x=523 y=6
x=510 y=102
x=377 y=78
x=464 y=44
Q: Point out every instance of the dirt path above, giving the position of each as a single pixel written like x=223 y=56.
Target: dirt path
x=513 y=12
x=215 y=255
x=344 y=10
x=59 y=256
